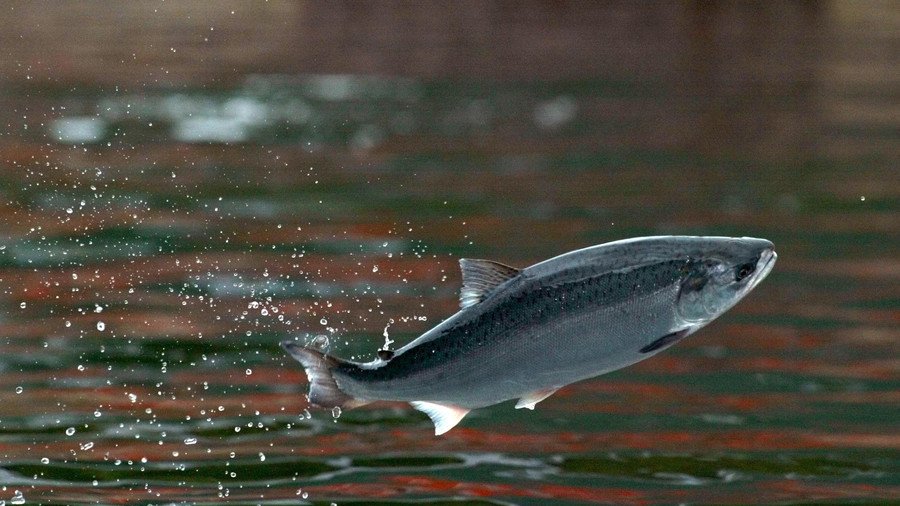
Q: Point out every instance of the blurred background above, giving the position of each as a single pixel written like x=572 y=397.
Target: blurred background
x=187 y=183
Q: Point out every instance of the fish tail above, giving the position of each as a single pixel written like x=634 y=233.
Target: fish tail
x=324 y=390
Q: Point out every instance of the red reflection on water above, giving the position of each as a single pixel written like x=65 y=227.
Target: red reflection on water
x=423 y=485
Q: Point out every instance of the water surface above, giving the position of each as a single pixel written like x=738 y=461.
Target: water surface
x=160 y=238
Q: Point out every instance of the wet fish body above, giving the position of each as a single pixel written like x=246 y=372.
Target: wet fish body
x=523 y=334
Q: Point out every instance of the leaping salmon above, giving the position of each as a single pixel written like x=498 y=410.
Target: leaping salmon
x=525 y=333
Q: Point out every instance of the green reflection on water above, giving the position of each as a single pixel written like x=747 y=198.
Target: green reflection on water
x=710 y=467
x=200 y=472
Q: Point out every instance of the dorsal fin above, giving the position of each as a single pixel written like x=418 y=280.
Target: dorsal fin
x=480 y=277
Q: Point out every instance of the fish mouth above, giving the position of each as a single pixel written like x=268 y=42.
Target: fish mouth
x=763 y=266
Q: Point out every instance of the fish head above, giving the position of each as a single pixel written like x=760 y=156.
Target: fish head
x=718 y=273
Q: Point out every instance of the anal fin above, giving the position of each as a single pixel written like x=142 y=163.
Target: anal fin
x=530 y=399
x=444 y=416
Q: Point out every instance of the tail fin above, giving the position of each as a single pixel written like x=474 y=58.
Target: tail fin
x=323 y=389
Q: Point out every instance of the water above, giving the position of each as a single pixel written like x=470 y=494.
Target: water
x=163 y=230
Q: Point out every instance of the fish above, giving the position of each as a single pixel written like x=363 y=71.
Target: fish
x=523 y=334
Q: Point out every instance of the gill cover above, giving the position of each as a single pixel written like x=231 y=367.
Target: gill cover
x=708 y=289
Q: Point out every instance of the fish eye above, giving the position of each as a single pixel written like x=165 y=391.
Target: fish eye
x=743 y=271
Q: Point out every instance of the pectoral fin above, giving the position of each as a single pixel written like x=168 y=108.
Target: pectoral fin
x=529 y=400
x=444 y=416
x=666 y=340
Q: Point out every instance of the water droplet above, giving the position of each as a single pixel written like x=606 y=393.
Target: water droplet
x=19 y=390
x=190 y=441
x=323 y=321
x=374 y=268
x=70 y=431
x=74 y=275
x=101 y=326
x=45 y=460
x=69 y=210
x=249 y=372
x=22 y=305
x=336 y=412
x=87 y=446
x=17 y=498
x=68 y=323
x=97 y=414
x=262 y=457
